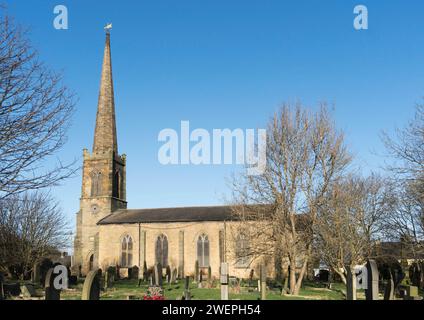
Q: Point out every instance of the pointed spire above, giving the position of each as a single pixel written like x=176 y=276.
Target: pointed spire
x=105 y=133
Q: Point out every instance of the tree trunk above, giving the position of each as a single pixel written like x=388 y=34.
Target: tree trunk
x=301 y=276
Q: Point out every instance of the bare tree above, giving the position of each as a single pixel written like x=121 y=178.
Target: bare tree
x=407 y=149
x=35 y=112
x=350 y=222
x=305 y=155
x=32 y=225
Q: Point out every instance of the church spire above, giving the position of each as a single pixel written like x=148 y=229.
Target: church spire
x=105 y=132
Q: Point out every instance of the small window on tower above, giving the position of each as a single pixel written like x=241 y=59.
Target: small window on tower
x=96 y=183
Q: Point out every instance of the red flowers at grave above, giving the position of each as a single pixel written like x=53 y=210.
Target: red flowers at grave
x=154 y=293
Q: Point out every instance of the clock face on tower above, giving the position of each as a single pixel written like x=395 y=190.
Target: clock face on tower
x=94 y=209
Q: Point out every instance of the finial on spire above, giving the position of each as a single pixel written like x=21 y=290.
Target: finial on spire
x=108 y=27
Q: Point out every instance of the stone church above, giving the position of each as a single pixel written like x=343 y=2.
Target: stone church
x=109 y=234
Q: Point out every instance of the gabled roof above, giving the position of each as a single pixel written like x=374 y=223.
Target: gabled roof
x=166 y=215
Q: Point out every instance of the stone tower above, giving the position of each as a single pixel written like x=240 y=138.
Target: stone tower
x=104 y=174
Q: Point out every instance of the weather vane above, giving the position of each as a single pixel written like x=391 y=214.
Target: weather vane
x=108 y=27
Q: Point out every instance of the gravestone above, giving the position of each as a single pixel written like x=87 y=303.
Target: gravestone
x=251 y=274
x=73 y=280
x=45 y=266
x=91 y=288
x=174 y=275
x=187 y=294
x=51 y=293
x=1 y=286
x=168 y=275
x=209 y=273
x=224 y=281
x=117 y=272
x=415 y=274
x=389 y=291
x=106 y=281
x=263 y=281
x=11 y=289
x=79 y=272
x=200 y=278
x=134 y=273
x=412 y=293
x=141 y=276
x=145 y=271
x=371 y=293
x=158 y=274
x=35 y=275
x=196 y=271
x=28 y=290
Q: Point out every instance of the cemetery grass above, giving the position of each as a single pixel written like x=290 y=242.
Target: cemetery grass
x=124 y=288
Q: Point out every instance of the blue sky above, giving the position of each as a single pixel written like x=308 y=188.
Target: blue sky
x=227 y=64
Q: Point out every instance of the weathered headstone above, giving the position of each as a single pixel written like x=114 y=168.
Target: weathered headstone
x=51 y=293
x=79 y=272
x=158 y=274
x=196 y=271
x=145 y=271
x=117 y=272
x=251 y=274
x=45 y=266
x=263 y=282
x=412 y=293
x=174 y=275
x=389 y=291
x=1 y=286
x=200 y=278
x=73 y=280
x=371 y=293
x=187 y=294
x=134 y=272
x=168 y=275
x=224 y=281
x=11 y=289
x=28 y=290
x=91 y=288
x=35 y=275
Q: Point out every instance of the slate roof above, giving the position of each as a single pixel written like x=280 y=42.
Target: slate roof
x=165 y=215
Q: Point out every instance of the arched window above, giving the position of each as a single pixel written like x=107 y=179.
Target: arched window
x=96 y=183
x=203 y=251
x=91 y=263
x=162 y=250
x=242 y=251
x=126 y=252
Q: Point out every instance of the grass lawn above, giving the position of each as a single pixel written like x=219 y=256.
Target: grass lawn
x=124 y=288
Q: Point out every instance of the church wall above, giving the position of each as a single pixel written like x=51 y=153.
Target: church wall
x=111 y=235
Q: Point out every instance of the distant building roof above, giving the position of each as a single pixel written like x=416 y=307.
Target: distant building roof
x=186 y=214
x=165 y=215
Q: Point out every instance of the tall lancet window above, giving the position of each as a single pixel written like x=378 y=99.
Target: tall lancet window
x=126 y=251
x=203 y=251
x=96 y=183
x=242 y=251
x=116 y=184
x=162 y=250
